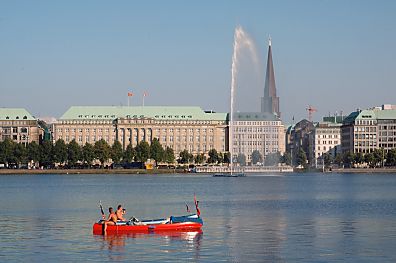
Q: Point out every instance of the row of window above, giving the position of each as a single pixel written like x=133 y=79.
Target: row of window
x=329 y=136
x=328 y=142
x=255 y=130
x=365 y=129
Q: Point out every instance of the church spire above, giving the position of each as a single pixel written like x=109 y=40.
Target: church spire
x=270 y=102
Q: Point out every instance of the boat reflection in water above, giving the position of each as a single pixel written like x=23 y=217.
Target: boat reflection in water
x=120 y=246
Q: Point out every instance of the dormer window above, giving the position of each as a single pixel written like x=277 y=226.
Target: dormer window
x=25 y=117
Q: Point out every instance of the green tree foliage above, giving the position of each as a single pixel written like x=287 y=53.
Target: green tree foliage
x=286 y=158
x=348 y=158
x=60 y=151
x=369 y=159
x=227 y=157
x=102 y=151
x=74 y=153
x=220 y=157
x=338 y=159
x=257 y=157
x=46 y=154
x=213 y=156
x=391 y=157
x=116 y=152
x=359 y=158
x=33 y=151
x=156 y=151
x=142 y=151
x=301 y=157
x=20 y=153
x=185 y=157
x=169 y=155
x=88 y=153
x=199 y=158
x=272 y=159
x=379 y=156
x=129 y=154
x=327 y=159
x=241 y=159
x=6 y=151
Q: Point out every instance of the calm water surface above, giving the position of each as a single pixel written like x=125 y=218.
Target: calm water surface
x=293 y=218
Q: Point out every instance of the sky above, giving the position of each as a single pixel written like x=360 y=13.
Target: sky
x=334 y=55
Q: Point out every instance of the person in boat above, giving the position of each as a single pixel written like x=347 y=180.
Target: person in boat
x=111 y=220
x=120 y=213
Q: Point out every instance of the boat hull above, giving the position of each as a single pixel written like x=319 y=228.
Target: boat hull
x=184 y=226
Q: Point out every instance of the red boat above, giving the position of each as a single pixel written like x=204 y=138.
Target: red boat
x=174 y=223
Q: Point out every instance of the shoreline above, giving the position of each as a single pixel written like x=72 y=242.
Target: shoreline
x=169 y=171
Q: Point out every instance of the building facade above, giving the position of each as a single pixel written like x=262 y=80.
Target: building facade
x=180 y=128
x=365 y=130
x=259 y=131
x=18 y=125
x=325 y=138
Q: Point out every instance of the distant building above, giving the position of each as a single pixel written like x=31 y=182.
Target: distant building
x=365 y=130
x=259 y=131
x=325 y=138
x=19 y=125
x=297 y=138
x=180 y=128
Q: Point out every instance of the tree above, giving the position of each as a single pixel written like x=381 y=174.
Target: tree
x=74 y=153
x=102 y=151
x=213 y=157
x=199 y=158
x=359 y=158
x=257 y=157
x=241 y=159
x=129 y=154
x=369 y=159
x=7 y=151
x=169 y=155
x=46 y=154
x=142 y=151
x=272 y=159
x=220 y=157
x=88 y=153
x=33 y=151
x=20 y=153
x=156 y=151
x=379 y=156
x=338 y=159
x=286 y=158
x=60 y=151
x=391 y=157
x=348 y=158
x=327 y=159
x=185 y=156
x=301 y=157
x=227 y=157
x=116 y=152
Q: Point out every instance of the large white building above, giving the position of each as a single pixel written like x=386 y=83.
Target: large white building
x=259 y=131
x=325 y=138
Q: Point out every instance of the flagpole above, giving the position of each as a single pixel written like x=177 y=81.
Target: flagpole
x=143 y=100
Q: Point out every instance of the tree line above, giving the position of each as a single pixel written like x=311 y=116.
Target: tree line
x=47 y=154
x=376 y=158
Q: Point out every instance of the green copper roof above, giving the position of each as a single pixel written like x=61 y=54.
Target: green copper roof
x=15 y=114
x=371 y=115
x=255 y=116
x=154 y=112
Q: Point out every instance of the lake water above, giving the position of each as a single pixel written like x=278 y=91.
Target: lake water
x=292 y=218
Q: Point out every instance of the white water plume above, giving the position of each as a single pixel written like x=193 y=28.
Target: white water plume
x=242 y=43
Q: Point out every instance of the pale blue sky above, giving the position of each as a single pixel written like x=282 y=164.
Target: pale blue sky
x=335 y=55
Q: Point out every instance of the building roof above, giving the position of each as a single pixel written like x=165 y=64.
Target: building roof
x=153 y=112
x=255 y=116
x=15 y=114
x=371 y=114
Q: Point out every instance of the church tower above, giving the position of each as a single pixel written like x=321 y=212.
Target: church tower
x=270 y=102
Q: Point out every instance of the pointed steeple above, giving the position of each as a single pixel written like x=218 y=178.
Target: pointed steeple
x=270 y=102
